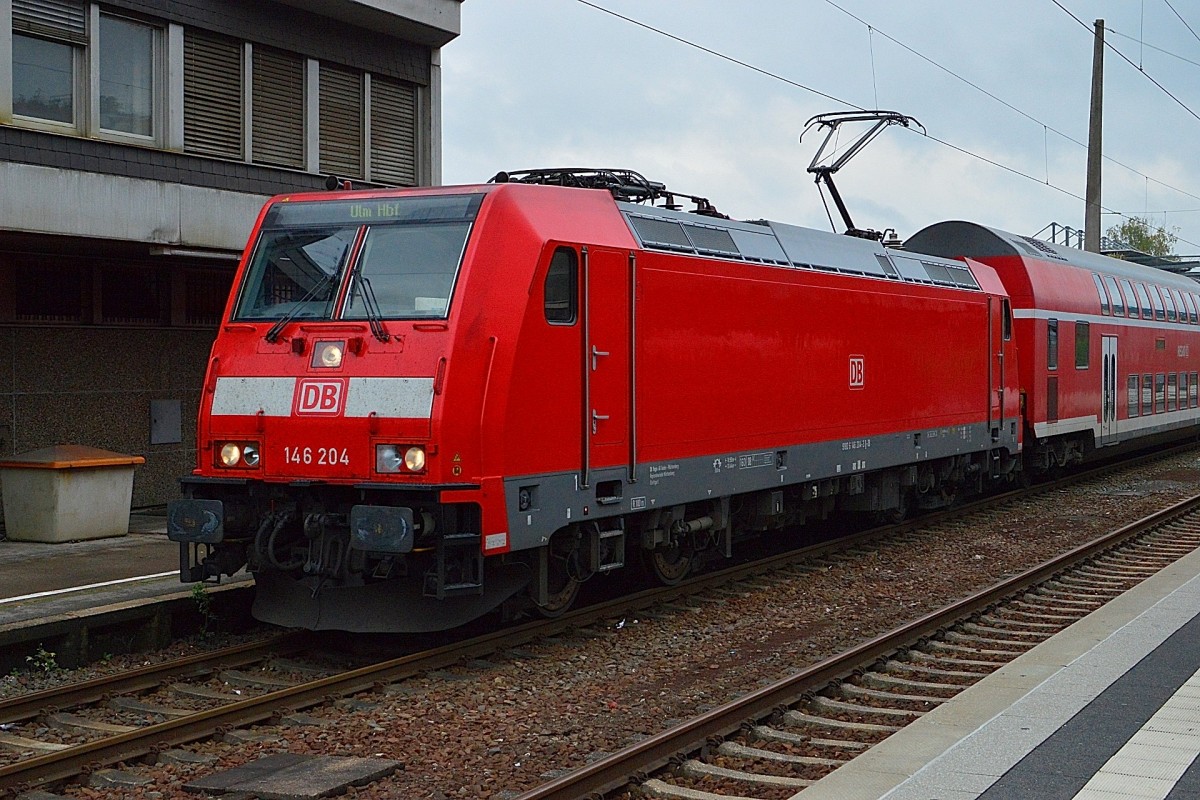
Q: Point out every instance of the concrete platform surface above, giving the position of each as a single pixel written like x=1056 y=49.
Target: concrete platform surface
x=1108 y=708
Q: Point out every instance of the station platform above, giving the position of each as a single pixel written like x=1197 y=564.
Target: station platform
x=1107 y=709
x=41 y=581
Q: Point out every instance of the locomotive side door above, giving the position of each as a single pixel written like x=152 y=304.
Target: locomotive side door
x=997 y=336
x=1108 y=391
x=607 y=362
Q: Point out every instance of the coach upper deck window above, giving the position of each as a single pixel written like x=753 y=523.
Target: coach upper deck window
x=1144 y=298
x=1156 y=301
x=1131 y=302
x=561 y=288
x=1118 y=304
x=1104 y=306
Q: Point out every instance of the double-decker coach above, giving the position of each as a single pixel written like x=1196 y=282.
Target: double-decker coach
x=1109 y=349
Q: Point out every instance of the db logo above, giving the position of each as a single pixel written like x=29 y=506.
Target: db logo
x=856 y=372
x=324 y=397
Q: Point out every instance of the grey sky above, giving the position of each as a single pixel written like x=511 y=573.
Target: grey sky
x=533 y=83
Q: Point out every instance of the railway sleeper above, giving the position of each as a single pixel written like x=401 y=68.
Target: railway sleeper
x=139 y=707
x=1053 y=611
x=999 y=633
x=1097 y=583
x=769 y=734
x=698 y=770
x=1006 y=617
x=800 y=719
x=1001 y=656
x=73 y=722
x=933 y=672
x=821 y=703
x=658 y=788
x=21 y=744
x=850 y=690
x=881 y=680
x=953 y=660
x=991 y=641
x=735 y=750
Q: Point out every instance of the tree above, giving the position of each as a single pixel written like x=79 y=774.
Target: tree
x=1139 y=234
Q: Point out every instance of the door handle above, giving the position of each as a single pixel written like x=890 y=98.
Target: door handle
x=596 y=419
x=595 y=355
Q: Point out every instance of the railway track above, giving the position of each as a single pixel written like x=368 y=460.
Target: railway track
x=135 y=715
x=773 y=742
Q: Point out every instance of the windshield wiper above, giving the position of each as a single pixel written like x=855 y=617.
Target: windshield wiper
x=374 y=316
x=273 y=333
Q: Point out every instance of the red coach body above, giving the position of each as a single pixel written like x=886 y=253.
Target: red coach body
x=1106 y=345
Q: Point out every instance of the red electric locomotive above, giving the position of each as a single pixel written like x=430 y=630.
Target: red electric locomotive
x=422 y=403
x=1105 y=344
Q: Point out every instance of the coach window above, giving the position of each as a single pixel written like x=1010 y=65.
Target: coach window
x=1186 y=309
x=1104 y=308
x=1160 y=393
x=1082 y=343
x=1172 y=390
x=1156 y=301
x=1118 y=305
x=1052 y=344
x=1131 y=302
x=1147 y=311
x=1183 y=390
x=1006 y=308
x=1194 y=390
x=1147 y=395
x=1169 y=302
x=1132 y=401
x=561 y=288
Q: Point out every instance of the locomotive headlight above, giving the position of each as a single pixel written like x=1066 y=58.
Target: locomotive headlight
x=392 y=458
x=328 y=355
x=239 y=455
x=414 y=459
x=250 y=455
x=231 y=454
x=387 y=458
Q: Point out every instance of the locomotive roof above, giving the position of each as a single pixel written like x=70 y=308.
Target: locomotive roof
x=957 y=238
x=779 y=244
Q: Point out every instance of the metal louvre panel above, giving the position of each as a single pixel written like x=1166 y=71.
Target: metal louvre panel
x=278 y=108
x=341 y=122
x=393 y=131
x=212 y=95
x=57 y=19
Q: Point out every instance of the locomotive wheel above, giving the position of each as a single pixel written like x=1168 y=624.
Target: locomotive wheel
x=670 y=564
x=562 y=582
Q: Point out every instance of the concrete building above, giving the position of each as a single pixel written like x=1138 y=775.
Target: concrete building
x=138 y=139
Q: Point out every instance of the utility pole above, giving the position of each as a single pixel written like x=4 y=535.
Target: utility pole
x=1091 y=217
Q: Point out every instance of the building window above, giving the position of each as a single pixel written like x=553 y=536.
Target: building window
x=212 y=95
x=127 y=59
x=51 y=294
x=341 y=122
x=278 y=108
x=393 y=131
x=44 y=79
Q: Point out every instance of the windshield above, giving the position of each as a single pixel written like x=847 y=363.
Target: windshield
x=295 y=273
x=405 y=267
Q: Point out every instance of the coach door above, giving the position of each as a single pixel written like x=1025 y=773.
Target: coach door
x=1108 y=391
x=607 y=365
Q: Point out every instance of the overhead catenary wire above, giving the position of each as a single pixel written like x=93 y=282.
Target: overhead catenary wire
x=962 y=150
